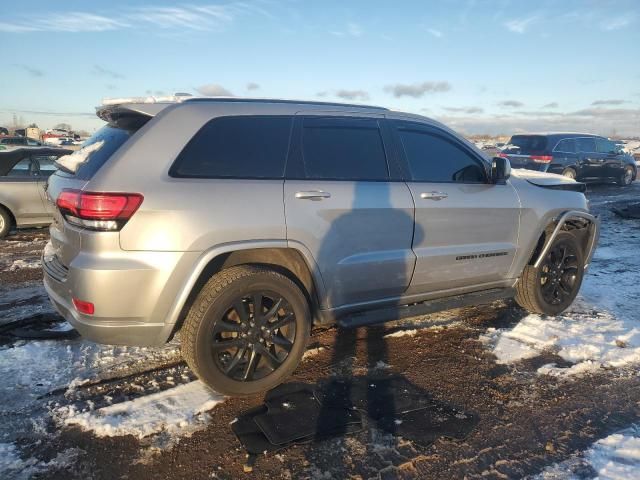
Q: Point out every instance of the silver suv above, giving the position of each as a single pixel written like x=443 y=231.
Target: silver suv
x=242 y=223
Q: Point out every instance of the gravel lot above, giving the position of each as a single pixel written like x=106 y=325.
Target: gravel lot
x=544 y=390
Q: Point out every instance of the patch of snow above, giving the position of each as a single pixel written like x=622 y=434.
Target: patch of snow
x=402 y=333
x=21 y=264
x=616 y=457
x=586 y=338
x=13 y=466
x=176 y=410
x=73 y=161
x=312 y=352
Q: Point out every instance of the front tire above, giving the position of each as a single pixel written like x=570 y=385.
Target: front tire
x=246 y=331
x=552 y=287
x=5 y=222
x=626 y=178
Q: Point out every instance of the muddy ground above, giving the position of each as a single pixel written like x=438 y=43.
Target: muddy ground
x=526 y=421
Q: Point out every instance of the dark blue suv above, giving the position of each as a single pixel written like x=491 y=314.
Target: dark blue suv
x=585 y=157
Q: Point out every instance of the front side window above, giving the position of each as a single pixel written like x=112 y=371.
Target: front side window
x=236 y=147
x=605 y=146
x=586 y=145
x=568 y=145
x=434 y=158
x=343 y=149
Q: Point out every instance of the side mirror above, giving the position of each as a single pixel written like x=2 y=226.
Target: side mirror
x=500 y=170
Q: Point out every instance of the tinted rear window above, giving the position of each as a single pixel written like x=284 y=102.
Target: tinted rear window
x=236 y=147
x=343 y=149
x=529 y=143
x=104 y=143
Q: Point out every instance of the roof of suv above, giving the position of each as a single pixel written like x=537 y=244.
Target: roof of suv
x=151 y=106
x=556 y=134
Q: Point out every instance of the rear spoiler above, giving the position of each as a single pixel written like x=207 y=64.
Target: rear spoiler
x=120 y=111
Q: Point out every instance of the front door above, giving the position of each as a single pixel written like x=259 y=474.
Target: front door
x=342 y=208
x=466 y=229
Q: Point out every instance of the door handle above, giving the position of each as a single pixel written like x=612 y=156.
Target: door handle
x=433 y=195
x=313 y=195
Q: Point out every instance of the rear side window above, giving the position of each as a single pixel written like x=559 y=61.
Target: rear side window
x=605 y=146
x=433 y=158
x=343 y=149
x=529 y=143
x=568 y=145
x=236 y=147
x=21 y=169
x=586 y=144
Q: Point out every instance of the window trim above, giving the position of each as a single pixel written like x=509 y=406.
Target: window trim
x=427 y=129
x=296 y=153
x=173 y=174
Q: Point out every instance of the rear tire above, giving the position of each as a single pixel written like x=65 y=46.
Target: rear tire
x=237 y=348
x=551 y=288
x=626 y=178
x=5 y=222
x=570 y=173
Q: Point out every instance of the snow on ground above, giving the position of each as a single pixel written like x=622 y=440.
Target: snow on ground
x=22 y=264
x=616 y=457
x=12 y=465
x=178 y=410
x=61 y=363
x=587 y=338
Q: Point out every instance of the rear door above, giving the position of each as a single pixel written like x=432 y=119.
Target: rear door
x=345 y=209
x=564 y=155
x=590 y=160
x=466 y=230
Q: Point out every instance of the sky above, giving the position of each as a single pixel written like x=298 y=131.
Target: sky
x=494 y=67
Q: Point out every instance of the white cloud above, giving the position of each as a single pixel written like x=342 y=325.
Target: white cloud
x=214 y=90
x=179 y=17
x=617 y=23
x=520 y=25
x=417 y=90
x=351 y=30
x=434 y=32
x=352 y=94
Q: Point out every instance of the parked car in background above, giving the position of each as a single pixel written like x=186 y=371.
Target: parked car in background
x=256 y=219
x=584 y=157
x=23 y=175
x=4 y=131
x=20 y=141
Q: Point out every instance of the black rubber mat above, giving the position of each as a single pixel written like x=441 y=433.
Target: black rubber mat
x=378 y=396
x=299 y=413
x=631 y=211
x=292 y=414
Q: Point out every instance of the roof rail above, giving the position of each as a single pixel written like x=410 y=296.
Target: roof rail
x=280 y=100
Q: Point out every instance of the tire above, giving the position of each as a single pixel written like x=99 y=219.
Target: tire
x=223 y=312
x=570 y=173
x=5 y=222
x=551 y=288
x=626 y=178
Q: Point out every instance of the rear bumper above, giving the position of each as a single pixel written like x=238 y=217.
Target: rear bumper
x=132 y=294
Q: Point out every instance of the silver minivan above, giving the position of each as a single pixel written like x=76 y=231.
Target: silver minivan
x=241 y=223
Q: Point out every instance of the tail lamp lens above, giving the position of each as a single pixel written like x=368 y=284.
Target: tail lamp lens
x=98 y=211
x=83 y=307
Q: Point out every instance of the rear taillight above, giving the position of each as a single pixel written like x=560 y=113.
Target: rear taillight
x=541 y=158
x=98 y=211
x=502 y=155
